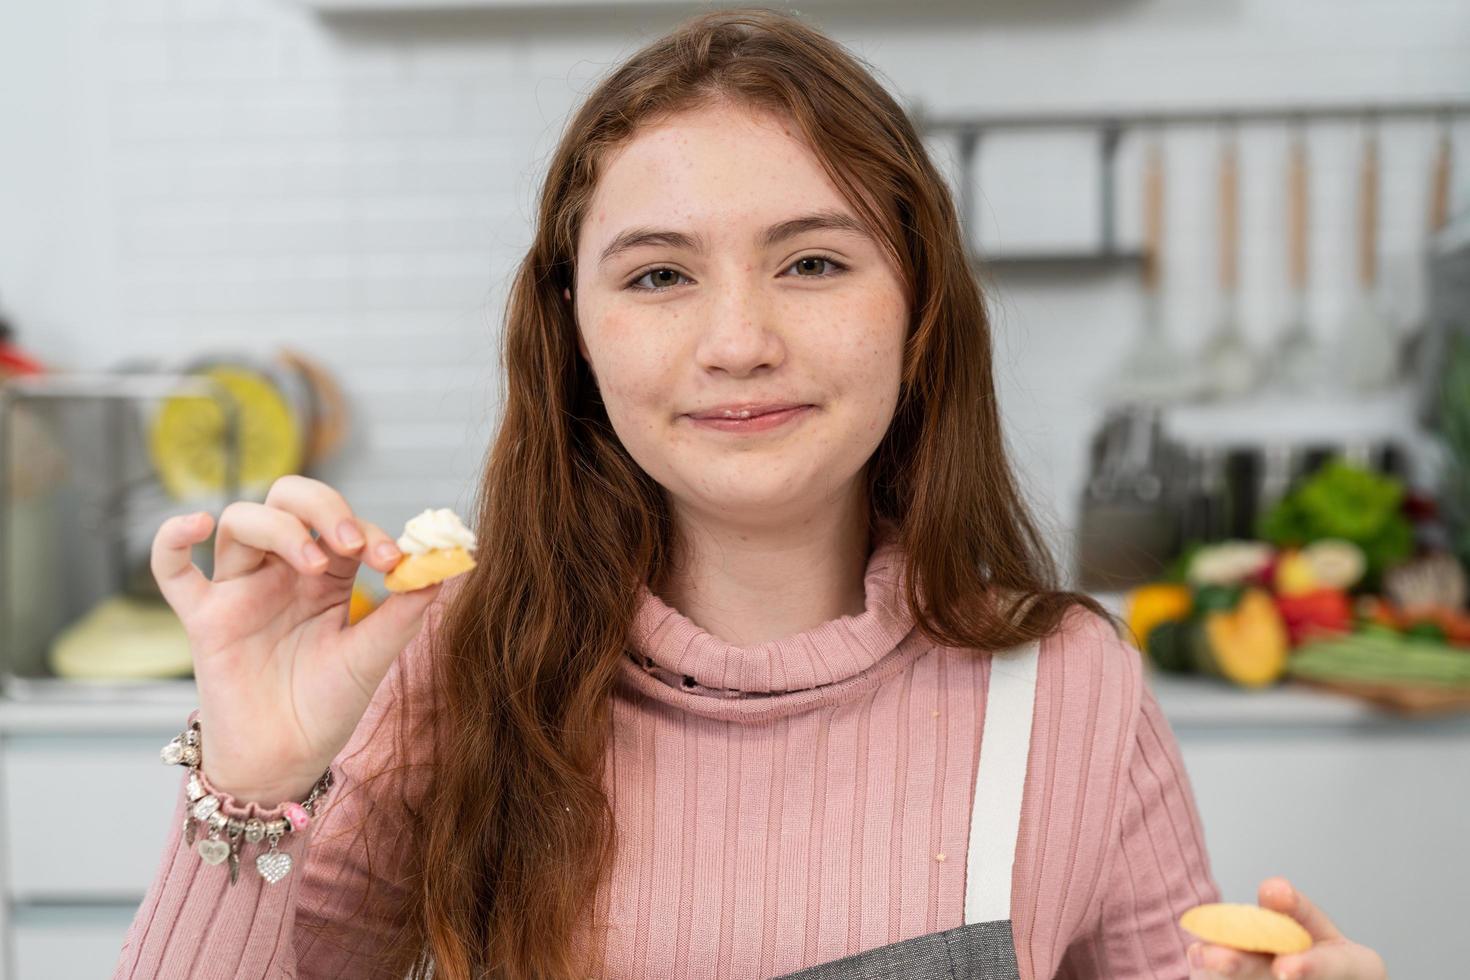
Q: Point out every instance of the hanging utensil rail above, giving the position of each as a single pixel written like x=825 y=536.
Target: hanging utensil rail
x=969 y=131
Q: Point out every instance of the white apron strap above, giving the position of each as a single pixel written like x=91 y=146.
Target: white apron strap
x=995 y=817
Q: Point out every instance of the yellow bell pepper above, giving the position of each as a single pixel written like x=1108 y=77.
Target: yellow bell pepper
x=1295 y=575
x=361 y=603
x=1155 y=603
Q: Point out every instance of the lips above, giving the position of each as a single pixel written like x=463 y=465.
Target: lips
x=751 y=424
x=748 y=410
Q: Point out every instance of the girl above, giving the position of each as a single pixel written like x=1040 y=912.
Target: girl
x=763 y=670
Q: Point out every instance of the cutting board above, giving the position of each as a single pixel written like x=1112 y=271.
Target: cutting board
x=1413 y=700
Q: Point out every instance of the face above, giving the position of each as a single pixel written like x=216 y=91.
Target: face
x=725 y=305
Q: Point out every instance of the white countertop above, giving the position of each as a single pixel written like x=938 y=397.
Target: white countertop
x=1203 y=702
x=1190 y=703
x=62 y=708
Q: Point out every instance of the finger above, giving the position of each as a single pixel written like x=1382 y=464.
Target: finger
x=1278 y=894
x=383 y=633
x=1240 y=965
x=319 y=506
x=250 y=531
x=1332 y=959
x=381 y=550
x=1197 y=968
x=171 y=560
x=1197 y=972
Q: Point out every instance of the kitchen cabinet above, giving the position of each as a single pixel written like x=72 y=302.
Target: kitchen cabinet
x=85 y=808
x=1365 y=812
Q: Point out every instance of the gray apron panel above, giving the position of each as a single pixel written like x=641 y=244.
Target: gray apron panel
x=977 y=951
x=983 y=948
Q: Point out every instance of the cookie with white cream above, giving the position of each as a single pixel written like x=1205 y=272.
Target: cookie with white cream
x=436 y=545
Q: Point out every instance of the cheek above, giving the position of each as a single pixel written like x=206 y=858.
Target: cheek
x=634 y=367
x=864 y=359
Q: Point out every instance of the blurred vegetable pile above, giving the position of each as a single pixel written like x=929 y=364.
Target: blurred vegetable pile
x=1333 y=587
x=1348 y=503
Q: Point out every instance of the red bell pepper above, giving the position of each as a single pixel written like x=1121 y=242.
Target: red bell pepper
x=1321 y=612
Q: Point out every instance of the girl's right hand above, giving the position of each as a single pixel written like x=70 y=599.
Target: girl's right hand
x=283 y=679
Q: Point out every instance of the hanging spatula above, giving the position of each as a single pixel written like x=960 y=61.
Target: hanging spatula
x=1299 y=364
x=1368 y=349
x=1153 y=370
x=1228 y=365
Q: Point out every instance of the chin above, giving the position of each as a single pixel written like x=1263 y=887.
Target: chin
x=758 y=488
x=756 y=513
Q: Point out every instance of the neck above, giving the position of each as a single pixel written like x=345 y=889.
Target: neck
x=751 y=584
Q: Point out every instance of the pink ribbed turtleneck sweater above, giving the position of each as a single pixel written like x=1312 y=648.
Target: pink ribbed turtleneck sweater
x=781 y=805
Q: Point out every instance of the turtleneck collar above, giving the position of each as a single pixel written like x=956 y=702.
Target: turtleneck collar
x=669 y=649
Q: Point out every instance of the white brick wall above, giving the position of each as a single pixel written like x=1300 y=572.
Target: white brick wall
x=182 y=175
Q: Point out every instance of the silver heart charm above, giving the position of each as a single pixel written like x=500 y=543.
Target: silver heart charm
x=213 y=851
x=273 y=865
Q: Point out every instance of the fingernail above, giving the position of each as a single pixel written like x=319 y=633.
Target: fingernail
x=1196 y=960
x=349 y=534
x=313 y=554
x=387 y=551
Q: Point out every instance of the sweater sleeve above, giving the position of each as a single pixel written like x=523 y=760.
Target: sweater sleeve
x=1158 y=867
x=344 y=898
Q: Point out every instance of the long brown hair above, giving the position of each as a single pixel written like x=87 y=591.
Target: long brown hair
x=515 y=830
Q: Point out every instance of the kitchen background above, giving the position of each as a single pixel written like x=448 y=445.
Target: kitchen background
x=197 y=186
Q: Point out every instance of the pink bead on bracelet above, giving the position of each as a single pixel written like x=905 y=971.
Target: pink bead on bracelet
x=297 y=816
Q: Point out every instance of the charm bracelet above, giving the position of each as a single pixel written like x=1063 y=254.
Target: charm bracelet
x=223 y=833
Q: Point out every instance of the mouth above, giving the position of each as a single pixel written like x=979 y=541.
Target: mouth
x=751 y=419
x=745 y=410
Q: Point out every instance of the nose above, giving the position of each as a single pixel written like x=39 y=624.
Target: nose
x=740 y=332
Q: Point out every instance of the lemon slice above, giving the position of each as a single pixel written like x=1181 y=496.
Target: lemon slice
x=187 y=437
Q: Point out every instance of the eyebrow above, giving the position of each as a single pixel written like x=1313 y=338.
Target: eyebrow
x=824 y=220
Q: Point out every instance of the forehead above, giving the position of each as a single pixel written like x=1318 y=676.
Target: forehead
x=709 y=168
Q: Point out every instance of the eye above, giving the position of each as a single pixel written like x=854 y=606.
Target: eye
x=804 y=262
x=818 y=258
x=654 y=272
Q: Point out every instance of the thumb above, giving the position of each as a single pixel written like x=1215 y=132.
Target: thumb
x=382 y=634
x=1278 y=895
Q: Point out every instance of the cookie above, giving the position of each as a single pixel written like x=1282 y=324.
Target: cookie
x=420 y=571
x=1246 y=927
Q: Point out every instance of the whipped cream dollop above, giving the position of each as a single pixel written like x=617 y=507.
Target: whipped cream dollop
x=433 y=529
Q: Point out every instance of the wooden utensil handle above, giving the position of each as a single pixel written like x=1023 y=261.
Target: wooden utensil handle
x=1229 y=216
x=1153 y=217
x=1296 y=211
x=1368 y=214
x=1439 y=196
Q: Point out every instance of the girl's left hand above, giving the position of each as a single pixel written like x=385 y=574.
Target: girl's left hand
x=1332 y=956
